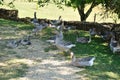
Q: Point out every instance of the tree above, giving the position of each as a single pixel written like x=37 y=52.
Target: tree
x=76 y=4
x=113 y=6
x=9 y=3
x=109 y=5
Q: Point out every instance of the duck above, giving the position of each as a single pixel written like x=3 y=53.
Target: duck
x=114 y=45
x=56 y=22
x=82 y=62
x=92 y=31
x=83 y=39
x=35 y=20
x=63 y=46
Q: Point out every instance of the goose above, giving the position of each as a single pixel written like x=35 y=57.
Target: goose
x=64 y=27
x=106 y=35
x=53 y=38
x=35 y=20
x=56 y=22
x=38 y=27
x=83 y=39
x=63 y=46
x=114 y=45
x=13 y=43
x=69 y=27
x=82 y=62
x=44 y=24
x=26 y=41
x=92 y=31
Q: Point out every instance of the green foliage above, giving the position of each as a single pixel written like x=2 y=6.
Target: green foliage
x=81 y=5
x=114 y=6
x=1 y=2
x=9 y=3
x=43 y=3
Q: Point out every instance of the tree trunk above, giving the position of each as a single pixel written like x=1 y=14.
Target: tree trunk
x=81 y=11
x=82 y=14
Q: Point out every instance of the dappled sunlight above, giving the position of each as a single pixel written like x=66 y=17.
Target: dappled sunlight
x=112 y=75
x=104 y=44
x=3 y=64
x=24 y=61
x=31 y=62
x=50 y=69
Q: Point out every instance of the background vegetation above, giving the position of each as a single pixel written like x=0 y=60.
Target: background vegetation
x=27 y=9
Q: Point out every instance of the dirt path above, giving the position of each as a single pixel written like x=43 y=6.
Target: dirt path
x=45 y=65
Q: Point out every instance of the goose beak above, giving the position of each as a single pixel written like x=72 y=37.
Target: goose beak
x=71 y=55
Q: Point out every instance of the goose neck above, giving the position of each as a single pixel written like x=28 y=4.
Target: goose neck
x=73 y=58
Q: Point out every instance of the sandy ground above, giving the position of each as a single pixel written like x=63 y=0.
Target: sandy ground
x=46 y=65
x=43 y=65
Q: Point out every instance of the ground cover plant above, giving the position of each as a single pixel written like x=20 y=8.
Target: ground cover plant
x=106 y=65
x=10 y=61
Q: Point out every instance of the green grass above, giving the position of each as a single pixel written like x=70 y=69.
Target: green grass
x=106 y=65
x=12 y=71
x=15 y=24
x=8 y=69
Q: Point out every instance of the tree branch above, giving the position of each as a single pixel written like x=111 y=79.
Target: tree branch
x=90 y=9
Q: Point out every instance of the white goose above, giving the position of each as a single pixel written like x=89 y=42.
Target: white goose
x=82 y=62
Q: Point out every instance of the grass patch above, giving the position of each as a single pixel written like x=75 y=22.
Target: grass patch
x=15 y=24
x=9 y=70
x=106 y=65
x=12 y=71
